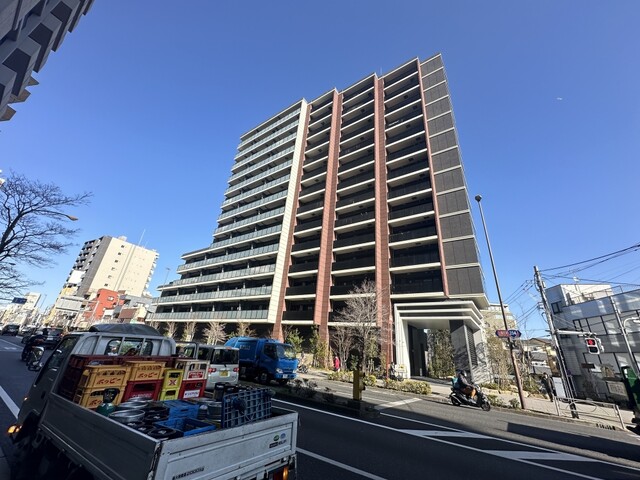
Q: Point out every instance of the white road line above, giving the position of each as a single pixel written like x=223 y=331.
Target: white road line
x=339 y=464
x=13 y=345
x=396 y=404
x=564 y=457
x=7 y=400
x=453 y=444
x=442 y=433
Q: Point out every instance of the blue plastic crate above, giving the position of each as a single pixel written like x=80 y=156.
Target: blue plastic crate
x=188 y=426
x=181 y=409
x=245 y=406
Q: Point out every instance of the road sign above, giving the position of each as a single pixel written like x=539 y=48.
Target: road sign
x=502 y=333
x=514 y=333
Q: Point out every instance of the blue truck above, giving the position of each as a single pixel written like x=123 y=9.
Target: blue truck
x=265 y=359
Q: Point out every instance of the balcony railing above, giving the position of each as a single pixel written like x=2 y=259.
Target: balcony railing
x=405 y=134
x=217 y=295
x=298 y=247
x=427 y=257
x=411 y=234
x=367 y=195
x=406 y=212
x=227 y=258
x=303 y=267
x=250 y=220
x=402 y=119
x=418 y=187
x=370 y=175
x=361 y=217
x=341 y=290
x=356 y=240
x=351 y=95
x=217 y=315
x=403 y=103
x=312 y=189
x=412 y=167
x=308 y=225
x=261 y=163
x=302 y=290
x=298 y=315
x=265 y=174
x=357 y=146
x=253 y=205
x=359 y=103
x=245 y=272
x=356 y=118
x=348 y=136
x=313 y=173
x=420 y=145
x=247 y=236
x=307 y=207
x=258 y=189
x=355 y=163
x=434 y=285
x=264 y=147
x=354 y=263
x=284 y=119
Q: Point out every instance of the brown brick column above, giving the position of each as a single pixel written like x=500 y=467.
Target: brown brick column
x=321 y=313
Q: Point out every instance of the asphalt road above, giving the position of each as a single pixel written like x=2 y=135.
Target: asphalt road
x=413 y=437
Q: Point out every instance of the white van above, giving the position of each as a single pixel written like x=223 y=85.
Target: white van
x=223 y=361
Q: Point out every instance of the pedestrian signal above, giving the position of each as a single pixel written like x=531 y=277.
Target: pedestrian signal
x=593 y=345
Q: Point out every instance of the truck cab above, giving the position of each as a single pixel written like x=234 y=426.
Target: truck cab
x=265 y=359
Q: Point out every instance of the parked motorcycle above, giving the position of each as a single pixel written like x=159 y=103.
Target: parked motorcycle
x=302 y=368
x=33 y=359
x=481 y=400
x=396 y=372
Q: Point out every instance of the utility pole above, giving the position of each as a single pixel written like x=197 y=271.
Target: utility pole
x=564 y=374
x=516 y=370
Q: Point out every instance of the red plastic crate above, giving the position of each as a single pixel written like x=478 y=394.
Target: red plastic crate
x=192 y=388
x=147 y=390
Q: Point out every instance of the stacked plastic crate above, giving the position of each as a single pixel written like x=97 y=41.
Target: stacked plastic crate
x=245 y=406
x=194 y=377
x=95 y=379
x=144 y=380
x=172 y=379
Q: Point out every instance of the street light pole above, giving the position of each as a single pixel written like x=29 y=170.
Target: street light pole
x=504 y=315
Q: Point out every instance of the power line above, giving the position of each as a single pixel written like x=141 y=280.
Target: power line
x=606 y=257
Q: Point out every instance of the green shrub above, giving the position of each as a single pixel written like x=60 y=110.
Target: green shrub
x=490 y=386
x=370 y=380
x=410 y=386
x=514 y=403
x=496 y=401
x=341 y=376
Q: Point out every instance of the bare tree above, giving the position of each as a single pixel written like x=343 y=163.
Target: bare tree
x=154 y=324
x=189 y=331
x=244 y=330
x=360 y=314
x=171 y=329
x=214 y=333
x=31 y=228
x=441 y=363
x=342 y=342
x=499 y=360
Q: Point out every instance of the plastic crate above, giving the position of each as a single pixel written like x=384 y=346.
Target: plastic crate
x=192 y=388
x=103 y=376
x=144 y=370
x=181 y=409
x=93 y=397
x=192 y=369
x=169 y=394
x=245 y=406
x=147 y=390
x=172 y=378
x=81 y=361
x=188 y=426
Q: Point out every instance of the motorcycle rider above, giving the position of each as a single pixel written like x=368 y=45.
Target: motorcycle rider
x=465 y=386
x=33 y=341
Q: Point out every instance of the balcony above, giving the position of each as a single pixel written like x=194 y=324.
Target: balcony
x=227 y=258
x=278 y=168
x=354 y=117
x=360 y=217
x=253 y=136
x=418 y=187
x=303 y=267
x=355 y=240
x=263 y=202
x=271 y=150
x=351 y=95
x=341 y=290
x=302 y=290
x=357 y=146
x=307 y=207
x=402 y=119
x=298 y=315
x=357 y=104
x=301 y=227
x=350 y=200
x=217 y=295
x=363 y=177
x=354 y=263
x=298 y=247
x=348 y=136
x=258 y=189
x=312 y=189
x=406 y=133
x=217 y=315
x=355 y=163
x=245 y=272
x=421 y=144
x=420 y=259
x=429 y=286
x=406 y=212
x=264 y=147
x=243 y=238
x=406 y=170
x=313 y=173
x=250 y=220
x=412 y=234
x=405 y=102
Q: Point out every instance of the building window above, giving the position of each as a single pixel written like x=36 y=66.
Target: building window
x=556 y=307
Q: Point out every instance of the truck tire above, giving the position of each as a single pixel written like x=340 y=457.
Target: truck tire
x=264 y=378
x=25 y=466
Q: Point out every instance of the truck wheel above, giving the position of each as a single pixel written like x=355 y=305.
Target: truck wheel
x=282 y=382
x=264 y=378
x=26 y=464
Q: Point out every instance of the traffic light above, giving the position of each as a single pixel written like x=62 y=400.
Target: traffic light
x=593 y=345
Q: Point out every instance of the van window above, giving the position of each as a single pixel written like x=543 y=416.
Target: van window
x=224 y=356
x=204 y=354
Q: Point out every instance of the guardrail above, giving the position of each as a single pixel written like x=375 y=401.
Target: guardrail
x=588 y=409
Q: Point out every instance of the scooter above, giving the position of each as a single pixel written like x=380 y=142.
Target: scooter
x=303 y=368
x=458 y=398
x=33 y=359
x=396 y=372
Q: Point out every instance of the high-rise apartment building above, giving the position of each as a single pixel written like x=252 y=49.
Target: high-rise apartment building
x=105 y=263
x=363 y=183
x=29 y=30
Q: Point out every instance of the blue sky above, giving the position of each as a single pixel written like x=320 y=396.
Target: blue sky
x=144 y=104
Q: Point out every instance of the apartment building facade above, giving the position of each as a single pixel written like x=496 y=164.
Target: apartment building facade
x=106 y=263
x=360 y=184
x=29 y=31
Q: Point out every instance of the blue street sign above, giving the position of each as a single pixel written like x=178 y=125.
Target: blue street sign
x=514 y=333
x=20 y=300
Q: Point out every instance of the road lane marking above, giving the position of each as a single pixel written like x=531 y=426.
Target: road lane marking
x=441 y=433
x=466 y=447
x=564 y=457
x=341 y=465
x=396 y=404
x=7 y=400
x=11 y=346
